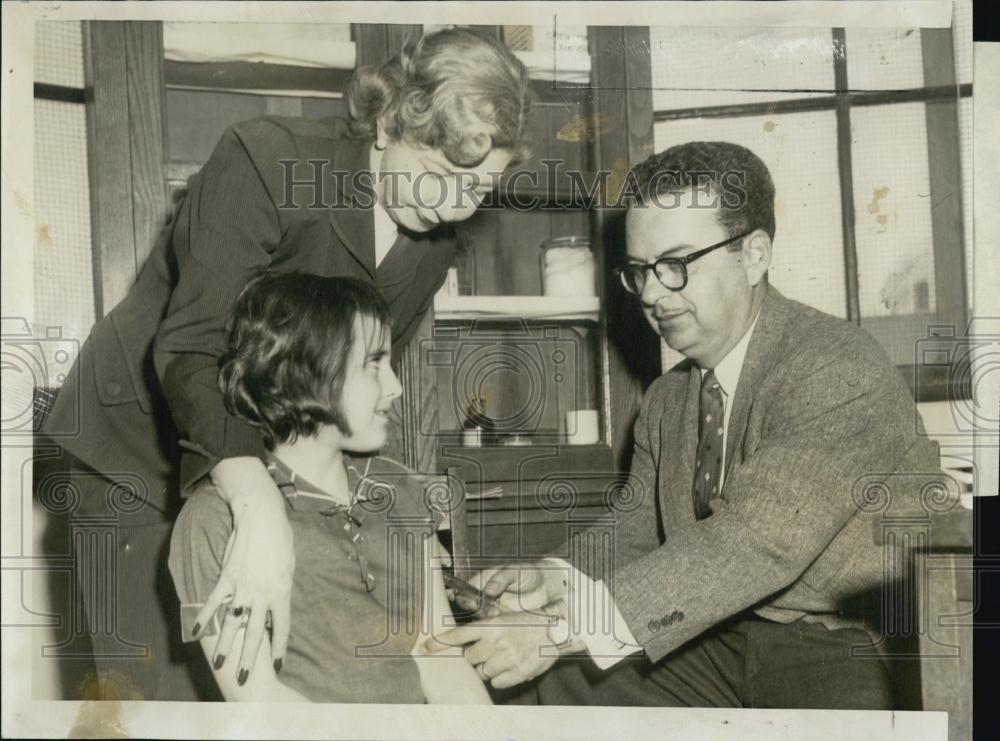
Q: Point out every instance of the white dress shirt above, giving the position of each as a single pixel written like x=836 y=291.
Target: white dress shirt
x=607 y=648
x=727 y=373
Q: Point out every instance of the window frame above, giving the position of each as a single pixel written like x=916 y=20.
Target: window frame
x=941 y=94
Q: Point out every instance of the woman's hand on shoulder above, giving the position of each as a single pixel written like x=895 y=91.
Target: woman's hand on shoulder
x=257 y=569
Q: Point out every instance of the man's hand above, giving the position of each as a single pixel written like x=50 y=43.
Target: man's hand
x=520 y=587
x=505 y=650
x=257 y=568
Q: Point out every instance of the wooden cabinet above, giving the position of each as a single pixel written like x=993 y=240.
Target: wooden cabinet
x=534 y=358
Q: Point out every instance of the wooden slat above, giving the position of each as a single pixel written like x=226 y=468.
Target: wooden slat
x=147 y=136
x=280 y=105
x=855 y=98
x=944 y=162
x=462 y=547
x=371 y=42
x=519 y=464
x=420 y=413
x=254 y=76
x=946 y=641
x=258 y=76
x=398 y=33
x=108 y=131
x=126 y=145
x=620 y=63
x=547 y=91
x=638 y=92
x=846 y=171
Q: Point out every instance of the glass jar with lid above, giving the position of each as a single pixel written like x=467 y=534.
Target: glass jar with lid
x=568 y=267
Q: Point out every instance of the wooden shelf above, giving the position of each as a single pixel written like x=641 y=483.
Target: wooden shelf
x=517 y=308
x=502 y=465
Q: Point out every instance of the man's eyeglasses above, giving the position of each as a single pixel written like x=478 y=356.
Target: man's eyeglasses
x=670 y=271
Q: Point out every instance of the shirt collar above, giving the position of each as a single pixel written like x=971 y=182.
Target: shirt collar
x=728 y=370
x=302 y=495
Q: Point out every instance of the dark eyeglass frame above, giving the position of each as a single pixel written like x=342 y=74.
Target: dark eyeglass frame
x=679 y=262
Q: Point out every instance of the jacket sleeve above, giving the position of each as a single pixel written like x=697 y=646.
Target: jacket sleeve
x=436 y=268
x=783 y=505
x=227 y=230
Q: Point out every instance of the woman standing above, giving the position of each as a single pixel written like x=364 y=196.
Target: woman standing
x=369 y=197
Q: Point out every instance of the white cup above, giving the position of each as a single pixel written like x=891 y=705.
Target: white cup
x=581 y=427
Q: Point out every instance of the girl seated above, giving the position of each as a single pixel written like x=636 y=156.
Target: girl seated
x=307 y=362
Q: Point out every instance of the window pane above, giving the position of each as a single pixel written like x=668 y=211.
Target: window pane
x=962 y=33
x=892 y=202
x=965 y=142
x=59 y=53
x=564 y=38
x=64 y=283
x=694 y=67
x=800 y=150
x=895 y=243
x=884 y=58
x=63 y=263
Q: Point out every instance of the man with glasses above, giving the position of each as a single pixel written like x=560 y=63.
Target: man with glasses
x=746 y=573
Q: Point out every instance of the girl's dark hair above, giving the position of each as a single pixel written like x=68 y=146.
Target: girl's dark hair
x=287 y=344
x=452 y=90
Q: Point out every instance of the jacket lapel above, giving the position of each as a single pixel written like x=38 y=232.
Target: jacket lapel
x=355 y=225
x=679 y=440
x=764 y=348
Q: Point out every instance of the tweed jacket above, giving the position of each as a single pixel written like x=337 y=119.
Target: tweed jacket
x=819 y=413
x=277 y=193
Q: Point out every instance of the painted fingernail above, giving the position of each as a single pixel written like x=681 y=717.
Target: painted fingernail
x=196 y=630
x=277 y=664
x=242 y=679
x=219 y=661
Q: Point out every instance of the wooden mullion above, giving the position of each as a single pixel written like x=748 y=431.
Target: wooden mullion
x=420 y=407
x=254 y=76
x=638 y=92
x=398 y=33
x=630 y=352
x=816 y=103
x=110 y=169
x=147 y=133
x=944 y=162
x=846 y=170
x=371 y=42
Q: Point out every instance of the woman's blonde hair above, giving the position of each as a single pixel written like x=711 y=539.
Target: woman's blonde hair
x=451 y=90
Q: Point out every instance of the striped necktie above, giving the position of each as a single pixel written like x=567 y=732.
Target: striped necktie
x=708 y=461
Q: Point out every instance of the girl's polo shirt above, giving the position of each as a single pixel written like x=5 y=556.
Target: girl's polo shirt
x=359 y=584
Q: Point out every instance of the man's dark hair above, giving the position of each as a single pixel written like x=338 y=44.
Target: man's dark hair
x=735 y=175
x=287 y=344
